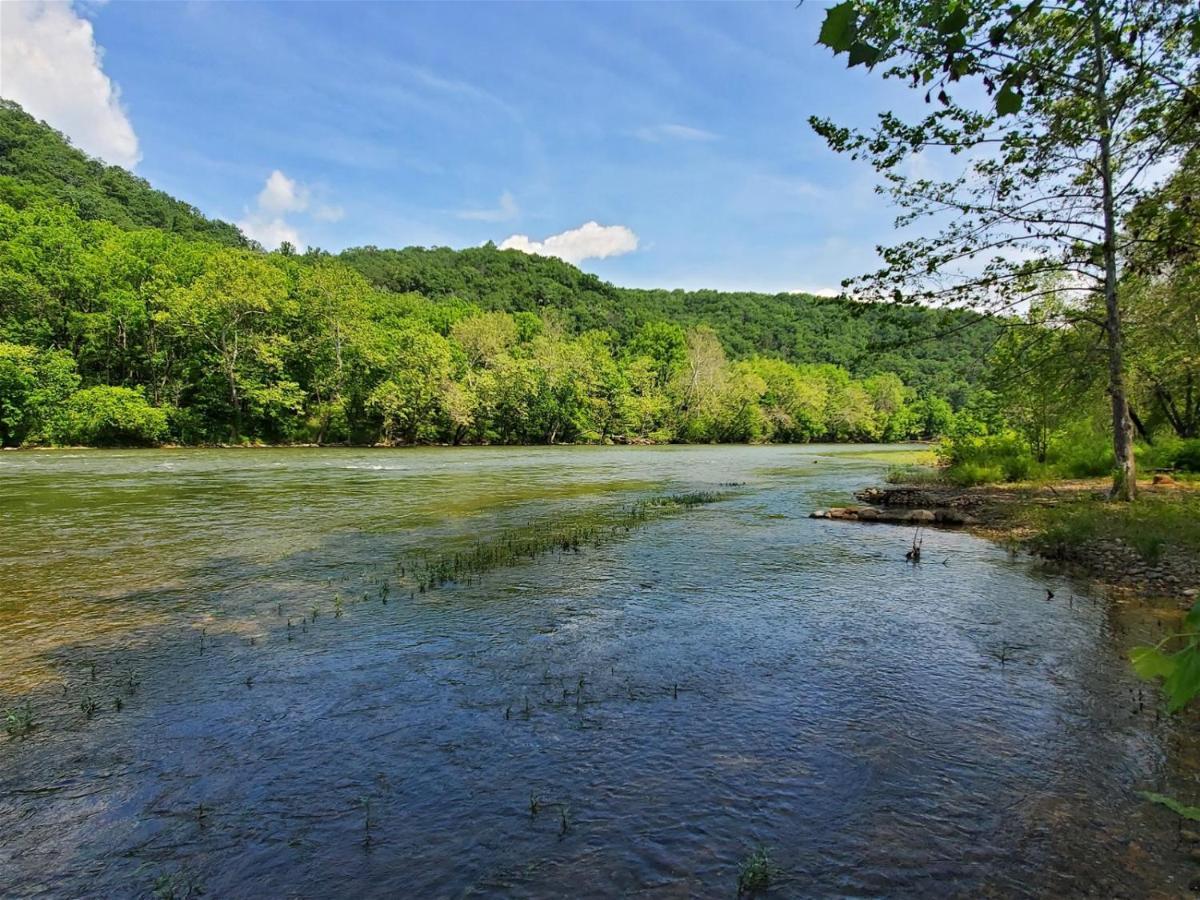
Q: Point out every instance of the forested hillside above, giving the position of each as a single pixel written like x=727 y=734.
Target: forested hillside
x=931 y=350
x=127 y=317
x=37 y=164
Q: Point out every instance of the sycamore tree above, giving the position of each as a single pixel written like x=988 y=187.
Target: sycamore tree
x=1056 y=116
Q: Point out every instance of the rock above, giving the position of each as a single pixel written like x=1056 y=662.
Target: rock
x=921 y=515
x=868 y=514
x=843 y=512
x=1189 y=593
x=819 y=514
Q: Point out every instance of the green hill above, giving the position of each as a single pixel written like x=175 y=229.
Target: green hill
x=126 y=316
x=38 y=163
x=931 y=350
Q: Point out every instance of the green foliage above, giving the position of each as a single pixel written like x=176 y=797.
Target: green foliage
x=755 y=873
x=1156 y=525
x=1179 y=670
x=37 y=164
x=1191 y=813
x=974 y=459
x=174 y=334
x=19 y=722
x=1186 y=455
x=106 y=416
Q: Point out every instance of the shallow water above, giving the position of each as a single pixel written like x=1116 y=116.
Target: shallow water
x=711 y=680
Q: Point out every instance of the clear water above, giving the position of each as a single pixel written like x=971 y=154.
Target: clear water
x=716 y=679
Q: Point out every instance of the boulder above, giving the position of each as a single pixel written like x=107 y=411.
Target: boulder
x=843 y=512
x=819 y=514
x=868 y=514
x=921 y=516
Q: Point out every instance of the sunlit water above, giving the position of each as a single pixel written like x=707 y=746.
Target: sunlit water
x=720 y=678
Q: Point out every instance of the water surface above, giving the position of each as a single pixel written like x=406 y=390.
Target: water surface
x=669 y=696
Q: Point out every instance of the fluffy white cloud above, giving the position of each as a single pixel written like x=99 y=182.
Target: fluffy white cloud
x=505 y=211
x=672 y=132
x=282 y=195
x=50 y=64
x=589 y=241
x=265 y=223
x=271 y=232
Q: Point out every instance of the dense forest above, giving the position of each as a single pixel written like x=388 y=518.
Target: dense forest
x=127 y=317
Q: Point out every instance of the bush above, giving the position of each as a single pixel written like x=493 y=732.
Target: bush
x=110 y=417
x=991 y=458
x=1187 y=456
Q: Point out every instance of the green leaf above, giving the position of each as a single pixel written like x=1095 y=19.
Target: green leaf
x=1149 y=662
x=1192 y=621
x=1188 y=812
x=863 y=54
x=1184 y=681
x=839 y=28
x=956 y=20
x=1008 y=101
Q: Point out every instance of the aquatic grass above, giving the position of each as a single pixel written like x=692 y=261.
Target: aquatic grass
x=755 y=873
x=181 y=885
x=88 y=705
x=432 y=571
x=19 y=722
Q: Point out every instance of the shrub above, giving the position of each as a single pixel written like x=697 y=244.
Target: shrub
x=1187 y=455
x=110 y=417
x=981 y=459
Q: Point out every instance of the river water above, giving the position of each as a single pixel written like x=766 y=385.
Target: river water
x=241 y=683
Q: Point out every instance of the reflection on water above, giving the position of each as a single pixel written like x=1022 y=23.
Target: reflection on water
x=721 y=677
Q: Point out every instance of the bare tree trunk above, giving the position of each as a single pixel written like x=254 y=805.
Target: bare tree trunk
x=1125 y=473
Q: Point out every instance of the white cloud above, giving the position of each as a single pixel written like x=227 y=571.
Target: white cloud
x=50 y=64
x=271 y=232
x=819 y=291
x=672 y=132
x=506 y=211
x=589 y=241
x=329 y=214
x=282 y=195
x=266 y=222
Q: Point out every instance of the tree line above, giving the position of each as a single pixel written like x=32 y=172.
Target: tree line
x=112 y=335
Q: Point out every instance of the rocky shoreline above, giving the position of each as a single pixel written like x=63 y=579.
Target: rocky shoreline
x=1004 y=513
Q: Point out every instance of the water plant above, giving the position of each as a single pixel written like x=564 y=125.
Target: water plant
x=535 y=804
x=19 y=722
x=367 y=823
x=564 y=822
x=181 y=885
x=337 y=607
x=88 y=705
x=464 y=566
x=754 y=875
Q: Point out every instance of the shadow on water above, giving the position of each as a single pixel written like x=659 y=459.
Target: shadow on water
x=632 y=713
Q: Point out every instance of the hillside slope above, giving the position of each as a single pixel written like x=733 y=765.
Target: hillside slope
x=39 y=163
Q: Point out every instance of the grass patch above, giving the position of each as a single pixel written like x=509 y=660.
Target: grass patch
x=916 y=475
x=19 y=722
x=528 y=542
x=1153 y=525
x=755 y=873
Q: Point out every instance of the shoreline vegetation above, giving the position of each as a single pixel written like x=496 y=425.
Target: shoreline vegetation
x=127 y=318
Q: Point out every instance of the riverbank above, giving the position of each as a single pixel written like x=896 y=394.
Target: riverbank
x=1150 y=547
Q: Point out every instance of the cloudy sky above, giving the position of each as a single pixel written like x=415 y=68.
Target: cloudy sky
x=657 y=145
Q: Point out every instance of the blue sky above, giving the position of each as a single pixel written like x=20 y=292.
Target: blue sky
x=679 y=127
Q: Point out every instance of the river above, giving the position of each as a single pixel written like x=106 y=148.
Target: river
x=244 y=680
